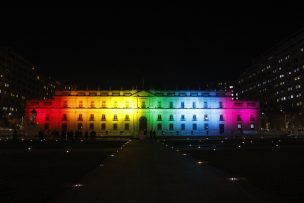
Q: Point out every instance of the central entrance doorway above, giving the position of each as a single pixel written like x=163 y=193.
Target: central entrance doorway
x=143 y=125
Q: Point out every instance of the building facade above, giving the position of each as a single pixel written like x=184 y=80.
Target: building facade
x=134 y=112
x=276 y=80
x=19 y=81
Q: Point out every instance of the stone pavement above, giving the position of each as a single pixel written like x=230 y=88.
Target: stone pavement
x=147 y=171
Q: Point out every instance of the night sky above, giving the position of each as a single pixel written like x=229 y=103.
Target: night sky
x=160 y=48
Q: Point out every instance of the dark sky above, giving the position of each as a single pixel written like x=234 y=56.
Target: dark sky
x=167 y=48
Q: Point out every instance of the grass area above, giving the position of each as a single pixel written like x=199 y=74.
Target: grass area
x=39 y=174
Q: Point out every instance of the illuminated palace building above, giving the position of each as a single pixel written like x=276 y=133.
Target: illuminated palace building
x=134 y=112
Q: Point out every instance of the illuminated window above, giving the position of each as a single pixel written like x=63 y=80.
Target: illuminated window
x=221 y=117
x=80 y=117
x=103 y=117
x=80 y=104
x=47 y=117
x=115 y=126
x=183 y=126
x=220 y=105
x=194 y=105
x=115 y=104
x=92 y=117
x=159 y=126
x=92 y=104
x=251 y=117
x=171 y=105
x=64 y=117
x=171 y=127
x=194 y=126
x=206 y=126
x=159 y=104
x=143 y=104
x=239 y=117
x=91 y=126
x=127 y=104
x=171 y=117
x=127 y=126
x=115 y=117
x=252 y=126
x=183 y=117
x=206 y=118
x=103 y=126
x=239 y=126
x=127 y=118
x=194 y=117
x=103 y=104
x=182 y=105
x=159 y=117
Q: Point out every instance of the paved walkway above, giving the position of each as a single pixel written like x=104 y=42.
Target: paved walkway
x=147 y=171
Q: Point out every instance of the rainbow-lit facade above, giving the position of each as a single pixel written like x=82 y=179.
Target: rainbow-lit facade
x=133 y=112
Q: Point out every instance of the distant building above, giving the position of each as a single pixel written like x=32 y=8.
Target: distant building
x=276 y=79
x=19 y=81
x=198 y=113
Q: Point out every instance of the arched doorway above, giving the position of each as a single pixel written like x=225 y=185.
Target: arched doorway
x=143 y=125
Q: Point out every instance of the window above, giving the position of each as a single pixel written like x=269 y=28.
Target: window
x=239 y=126
x=206 y=126
x=103 y=126
x=47 y=117
x=115 y=126
x=171 y=126
x=182 y=105
x=80 y=117
x=183 y=126
x=92 y=104
x=159 y=126
x=221 y=117
x=194 y=105
x=143 y=104
x=79 y=126
x=239 y=117
x=194 y=117
x=252 y=126
x=115 y=117
x=103 y=104
x=206 y=117
x=183 y=117
x=80 y=104
x=115 y=104
x=171 y=117
x=127 y=118
x=205 y=105
x=91 y=117
x=91 y=126
x=159 y=118
x=103 y=117
x=127 y=126
x=194 y=126
x=65 y=104
x=220 y=105
x=159 y=104
x=251 y=117
x=127 y=104
x=171 y=105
